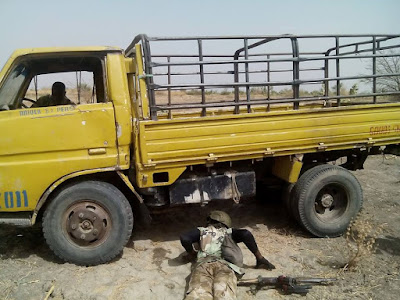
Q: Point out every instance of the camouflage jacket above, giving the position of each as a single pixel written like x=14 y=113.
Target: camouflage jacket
x=211 y=240
x=48 y=100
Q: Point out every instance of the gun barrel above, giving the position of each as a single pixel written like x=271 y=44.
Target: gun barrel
x=314 y=280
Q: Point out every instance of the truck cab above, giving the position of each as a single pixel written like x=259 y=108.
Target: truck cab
x=56 y=141
x=43 y=147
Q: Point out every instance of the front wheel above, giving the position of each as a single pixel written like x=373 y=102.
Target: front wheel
x=88 y=223
x=327 y=197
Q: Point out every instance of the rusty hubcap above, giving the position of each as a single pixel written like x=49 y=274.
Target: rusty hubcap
x=331 y=202
x=87 y=223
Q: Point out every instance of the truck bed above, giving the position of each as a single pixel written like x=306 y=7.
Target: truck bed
x=203 y=100
x=186 y=141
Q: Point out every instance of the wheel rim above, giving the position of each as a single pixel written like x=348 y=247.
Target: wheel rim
x=87 y=224
x=331 y=202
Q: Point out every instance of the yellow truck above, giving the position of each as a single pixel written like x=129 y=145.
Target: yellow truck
x=188 y=120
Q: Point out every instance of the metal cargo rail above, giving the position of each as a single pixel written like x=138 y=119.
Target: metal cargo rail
x=249 y=70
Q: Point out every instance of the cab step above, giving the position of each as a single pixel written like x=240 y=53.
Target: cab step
x=17 y=219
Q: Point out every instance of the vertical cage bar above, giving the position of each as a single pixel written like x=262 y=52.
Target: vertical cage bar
x=326 y=75
x=268 y=80
x=203 y=95
x=149 y=78
x=374 y=68
x=337 y=70
x=236 y=80
x=246 y=70
x=296 y=73
x=144 y=95
x=169 y=89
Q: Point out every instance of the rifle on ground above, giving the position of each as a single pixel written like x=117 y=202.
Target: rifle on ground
x=288 y=285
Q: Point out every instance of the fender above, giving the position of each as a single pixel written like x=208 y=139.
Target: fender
x=57 y=183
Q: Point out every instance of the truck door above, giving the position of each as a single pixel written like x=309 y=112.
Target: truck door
x=40 y=144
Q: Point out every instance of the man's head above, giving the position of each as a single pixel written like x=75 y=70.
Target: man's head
x=58 y=91
x=218 y=216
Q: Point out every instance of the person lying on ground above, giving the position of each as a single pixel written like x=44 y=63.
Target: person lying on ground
x=213 y=276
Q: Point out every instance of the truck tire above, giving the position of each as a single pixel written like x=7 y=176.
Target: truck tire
x=327 y=199
x=293 y=201
x=88 y=223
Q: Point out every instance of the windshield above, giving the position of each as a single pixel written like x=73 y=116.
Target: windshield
x=11 y=87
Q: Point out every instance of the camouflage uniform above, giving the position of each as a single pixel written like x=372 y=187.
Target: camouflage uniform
x=212 y=280
x=48 y=100
x=212 y=276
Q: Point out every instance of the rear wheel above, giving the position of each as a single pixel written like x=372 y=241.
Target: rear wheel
x=88 y=223
x=327 y=198
x=293 y=201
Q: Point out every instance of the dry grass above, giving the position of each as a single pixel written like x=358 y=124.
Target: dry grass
x=361 y=238
x=195 y=96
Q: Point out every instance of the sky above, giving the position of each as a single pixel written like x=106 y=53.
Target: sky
x=43 y=23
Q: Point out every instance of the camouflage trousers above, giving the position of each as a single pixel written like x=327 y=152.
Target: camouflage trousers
x=212 y=280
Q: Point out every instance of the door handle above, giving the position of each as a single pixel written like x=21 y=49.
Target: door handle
x=97 y=151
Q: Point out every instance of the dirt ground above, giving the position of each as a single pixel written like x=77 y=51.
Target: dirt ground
x=151 y=266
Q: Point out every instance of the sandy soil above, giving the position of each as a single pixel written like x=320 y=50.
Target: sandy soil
x=151 y=266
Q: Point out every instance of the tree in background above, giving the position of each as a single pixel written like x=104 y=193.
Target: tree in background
x=388 y=65
x=354 y=89
x=343 y=90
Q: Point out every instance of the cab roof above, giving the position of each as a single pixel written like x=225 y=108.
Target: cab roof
x=53 y=50
x=26 y=51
